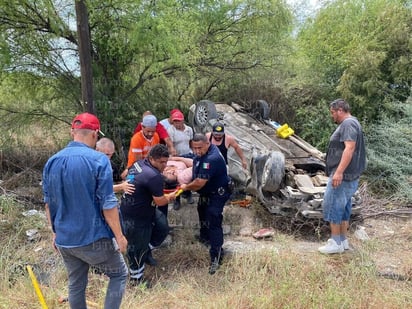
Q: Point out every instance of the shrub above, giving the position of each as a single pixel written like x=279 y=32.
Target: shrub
x=389 y=148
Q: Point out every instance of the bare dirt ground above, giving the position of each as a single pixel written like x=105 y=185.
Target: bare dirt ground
x=387 y=238
x=392 y=237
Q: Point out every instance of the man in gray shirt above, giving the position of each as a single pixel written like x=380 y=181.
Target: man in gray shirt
x=345 y=162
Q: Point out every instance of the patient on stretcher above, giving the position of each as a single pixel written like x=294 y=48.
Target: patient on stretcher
x=178 y=171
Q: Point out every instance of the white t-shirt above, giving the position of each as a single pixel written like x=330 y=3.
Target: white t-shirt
x=181 y=139
x=165 y=122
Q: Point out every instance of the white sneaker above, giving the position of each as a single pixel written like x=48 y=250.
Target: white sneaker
x=345 y=244
x=331 y=247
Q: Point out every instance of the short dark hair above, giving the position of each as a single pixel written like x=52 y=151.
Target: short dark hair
x=199 y=137
x=158 y=151
x=340 y=103
x=169 y=183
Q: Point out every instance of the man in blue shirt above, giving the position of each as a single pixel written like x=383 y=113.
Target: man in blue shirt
x=83 y=213
x=211 y=181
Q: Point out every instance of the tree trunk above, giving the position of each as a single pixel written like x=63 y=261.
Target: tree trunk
x=85 y=56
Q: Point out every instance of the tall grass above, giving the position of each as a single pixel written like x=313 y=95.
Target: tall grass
x=27 y=147
x=279 y=276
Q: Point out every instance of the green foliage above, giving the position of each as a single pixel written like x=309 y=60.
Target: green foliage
x=389 y=148
x=315 y=124
x=181 y=49
x=362 y=49
x=146 y=55
x=165 y=54
x=30 y=101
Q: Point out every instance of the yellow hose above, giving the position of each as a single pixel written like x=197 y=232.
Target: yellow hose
x=36 y=287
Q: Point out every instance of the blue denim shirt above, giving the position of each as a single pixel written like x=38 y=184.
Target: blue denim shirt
x=77 y=186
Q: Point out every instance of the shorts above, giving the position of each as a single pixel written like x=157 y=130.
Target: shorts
x=337 y=202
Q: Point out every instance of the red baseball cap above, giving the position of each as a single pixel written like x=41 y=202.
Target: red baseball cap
x=178 y=116
x=86 y=121
x=174 y=111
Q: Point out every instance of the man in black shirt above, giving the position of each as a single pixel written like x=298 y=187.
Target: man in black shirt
x=139 y=209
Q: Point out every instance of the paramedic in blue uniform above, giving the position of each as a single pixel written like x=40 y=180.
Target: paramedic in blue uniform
x=211 y=181
x=139 y=208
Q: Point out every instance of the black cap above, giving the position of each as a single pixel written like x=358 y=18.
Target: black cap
x=218 y=128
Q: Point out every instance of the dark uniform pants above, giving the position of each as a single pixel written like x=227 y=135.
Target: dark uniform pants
x=210 y=210
x=138 y=234
x=160 y=228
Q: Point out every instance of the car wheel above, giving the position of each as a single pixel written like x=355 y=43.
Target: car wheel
x=273 y=172
x=204 y=112
x=261 y=109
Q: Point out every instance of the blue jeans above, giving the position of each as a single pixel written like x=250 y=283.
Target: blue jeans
x=102 y=255
x=337 y=202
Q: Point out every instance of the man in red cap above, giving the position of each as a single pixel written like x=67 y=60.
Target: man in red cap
x=167 y=122
x=180 y=134
x=82 y=211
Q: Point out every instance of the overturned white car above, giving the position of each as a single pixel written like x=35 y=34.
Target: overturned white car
x=285 y=173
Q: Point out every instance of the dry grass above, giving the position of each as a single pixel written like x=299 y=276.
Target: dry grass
x=276 y=277
x=28 y=147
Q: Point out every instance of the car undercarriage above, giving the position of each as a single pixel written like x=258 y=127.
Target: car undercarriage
x=285 y=173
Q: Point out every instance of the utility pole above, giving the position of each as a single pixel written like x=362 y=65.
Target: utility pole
x=85 y=55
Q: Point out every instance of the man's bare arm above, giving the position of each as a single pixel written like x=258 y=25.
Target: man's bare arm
x=344 y=162
x=170 y=146
x=195 y=185
x=239 y=152
x=164 y=199
x=124 y=186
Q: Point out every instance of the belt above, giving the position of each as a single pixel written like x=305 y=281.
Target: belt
x=220 y=191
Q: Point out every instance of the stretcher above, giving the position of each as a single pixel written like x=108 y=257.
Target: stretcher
x=177 y=190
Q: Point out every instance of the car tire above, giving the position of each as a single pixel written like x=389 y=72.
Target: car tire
x=204 y=112
x=273 y=172
x=261 y=110
x=191 y=117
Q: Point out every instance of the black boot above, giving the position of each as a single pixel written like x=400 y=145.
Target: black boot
x=140 y=282
x=189 y=197
x=176 y=204
x=150 y=260
x=216 y=261
x=214 y=266
x=221 y=255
